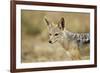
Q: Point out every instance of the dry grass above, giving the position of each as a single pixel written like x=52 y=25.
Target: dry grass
x=35 y=46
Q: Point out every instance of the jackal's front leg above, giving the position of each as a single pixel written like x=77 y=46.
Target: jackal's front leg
x=75 y=54
x=74 y=51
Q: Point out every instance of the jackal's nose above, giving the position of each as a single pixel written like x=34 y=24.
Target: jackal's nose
x=50 y=41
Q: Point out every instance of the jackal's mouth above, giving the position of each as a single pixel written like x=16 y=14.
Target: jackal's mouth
x=52 y=42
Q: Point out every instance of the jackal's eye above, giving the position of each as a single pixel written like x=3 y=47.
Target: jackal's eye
x=56 y=34
x=50 y=34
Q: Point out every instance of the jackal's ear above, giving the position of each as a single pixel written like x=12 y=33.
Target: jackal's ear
x=47 y=21
x=61 y=23
x=49 y=25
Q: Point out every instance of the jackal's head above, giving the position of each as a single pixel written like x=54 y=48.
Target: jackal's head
x=55 y=32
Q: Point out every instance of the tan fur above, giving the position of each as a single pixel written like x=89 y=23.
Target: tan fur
x=70 y=46
x=74 y=51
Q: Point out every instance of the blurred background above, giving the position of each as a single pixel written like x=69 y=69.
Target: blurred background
x=34 y=34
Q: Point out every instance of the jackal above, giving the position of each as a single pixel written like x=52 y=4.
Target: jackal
x=70 y=41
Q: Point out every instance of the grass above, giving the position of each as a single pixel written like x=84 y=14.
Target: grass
x=35 y=46
x=43 y=51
